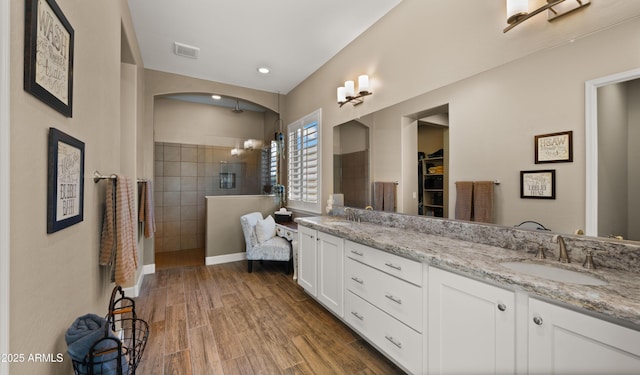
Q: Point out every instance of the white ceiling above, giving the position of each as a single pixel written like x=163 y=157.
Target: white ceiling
x=292 y=37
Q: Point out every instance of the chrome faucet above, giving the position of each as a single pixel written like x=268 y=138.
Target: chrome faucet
x=563 y=256
x=353 y=216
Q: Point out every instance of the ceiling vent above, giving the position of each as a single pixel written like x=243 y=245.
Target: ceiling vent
x=185 y=50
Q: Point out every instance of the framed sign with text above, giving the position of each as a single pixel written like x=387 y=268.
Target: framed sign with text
x=538 y=184
x=65 y=181
x=48 y=55
x=554 y=147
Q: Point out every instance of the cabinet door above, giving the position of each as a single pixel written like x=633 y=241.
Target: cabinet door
x=330 y=272
x=307 y=259
x=563 y=341
x=471 y=326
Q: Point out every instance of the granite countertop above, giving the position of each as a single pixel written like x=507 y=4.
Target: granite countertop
x=618 y=300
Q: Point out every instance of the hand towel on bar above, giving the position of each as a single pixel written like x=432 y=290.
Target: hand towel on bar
x=146 y=213
x=464 y=200
x=483 y=201
x=118 y=242
x=384 y=196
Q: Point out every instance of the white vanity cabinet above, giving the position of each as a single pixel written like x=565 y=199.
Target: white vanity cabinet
x=472 y=328
x=384 y=302
x=320 y=267
x=330 y=272
x=308 y=259
x=563 y=341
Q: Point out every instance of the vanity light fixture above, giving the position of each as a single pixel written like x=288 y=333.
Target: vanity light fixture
x=251 y=144
x=518 y=10
x=347 y=93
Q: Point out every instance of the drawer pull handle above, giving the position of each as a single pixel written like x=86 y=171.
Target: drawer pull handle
x=394 y=341
x=358 y=253
x=357 y=315
x=394 y=299
x=537 y=320
x=502 y=307
x=394 y=266
x=358 y=280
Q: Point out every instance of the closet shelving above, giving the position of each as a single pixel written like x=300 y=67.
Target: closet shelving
x=433 y=192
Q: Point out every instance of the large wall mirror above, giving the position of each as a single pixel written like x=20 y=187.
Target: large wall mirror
x=613 y=157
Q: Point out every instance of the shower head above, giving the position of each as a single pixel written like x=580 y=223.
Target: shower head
x=237 y=108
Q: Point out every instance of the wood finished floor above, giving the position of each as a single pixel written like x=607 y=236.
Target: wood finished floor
x=180 y=258
x=222 y=320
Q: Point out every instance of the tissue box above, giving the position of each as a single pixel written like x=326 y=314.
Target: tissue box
x=282 y=216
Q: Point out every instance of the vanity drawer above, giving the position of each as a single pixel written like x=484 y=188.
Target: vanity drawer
x=406 y=269
x=285 y=233
x=396 y=297
x=393 y=338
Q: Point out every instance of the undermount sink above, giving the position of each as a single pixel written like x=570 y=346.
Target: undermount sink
x=554 y=273
x=343 y=223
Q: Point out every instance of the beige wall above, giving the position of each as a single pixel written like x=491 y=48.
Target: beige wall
x=494 y=114
x=55 y=277
x=200 y=124
x=224 y=233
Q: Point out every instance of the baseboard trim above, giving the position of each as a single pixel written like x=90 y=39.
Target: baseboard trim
x=227 y=258
x=149 y=269
x=134 y=291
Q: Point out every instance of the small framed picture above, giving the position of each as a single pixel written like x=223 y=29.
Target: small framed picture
x=48 y=55
x=65 y=181
x=538 y=184
x=554 y=147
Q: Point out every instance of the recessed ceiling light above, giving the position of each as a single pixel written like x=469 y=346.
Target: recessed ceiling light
x=263 y=70
x=216 y=97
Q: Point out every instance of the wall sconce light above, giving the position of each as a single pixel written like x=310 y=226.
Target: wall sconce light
x=518 y=10
x=347 y=94
x=235 y=152
x=249 y=144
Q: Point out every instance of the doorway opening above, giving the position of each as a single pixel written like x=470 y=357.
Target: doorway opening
x=351 y=163
x=608 y=154
x=433 y=161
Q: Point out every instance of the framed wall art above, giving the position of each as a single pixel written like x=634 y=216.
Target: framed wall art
x=48 y=55
x=554 y=147
x=65 y=181
x=538 y=184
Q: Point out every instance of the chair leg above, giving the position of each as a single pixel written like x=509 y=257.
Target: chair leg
x=250 y=265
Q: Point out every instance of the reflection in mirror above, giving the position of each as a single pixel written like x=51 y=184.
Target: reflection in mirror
x=433 y=181
x=618 y=163
x=351 y=163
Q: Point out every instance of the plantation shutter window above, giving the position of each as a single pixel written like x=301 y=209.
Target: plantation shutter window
x=304 y=162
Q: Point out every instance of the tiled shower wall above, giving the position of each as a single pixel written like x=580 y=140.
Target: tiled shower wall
x=184 y=175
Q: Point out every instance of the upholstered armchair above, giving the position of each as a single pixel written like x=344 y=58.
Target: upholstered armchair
x=262 y=242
